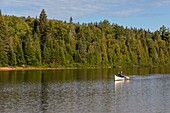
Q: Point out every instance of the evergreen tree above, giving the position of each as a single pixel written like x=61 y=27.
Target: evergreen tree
x=20 y=55
x=165 y=34
x=43 y=32
x=71 y=20
x=12 y=57
x=54 y=43
x=4 y=46
x=43 y=23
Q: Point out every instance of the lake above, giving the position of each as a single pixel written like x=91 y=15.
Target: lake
x=85 y=91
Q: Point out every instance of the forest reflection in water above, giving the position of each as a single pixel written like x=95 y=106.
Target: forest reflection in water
x=85 y=90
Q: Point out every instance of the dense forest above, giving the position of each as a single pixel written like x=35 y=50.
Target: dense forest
x=43 y=42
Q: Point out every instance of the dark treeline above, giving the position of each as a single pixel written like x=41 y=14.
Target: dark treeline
x=41 y=42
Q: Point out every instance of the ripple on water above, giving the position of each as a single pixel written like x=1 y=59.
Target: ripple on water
x=142 y=94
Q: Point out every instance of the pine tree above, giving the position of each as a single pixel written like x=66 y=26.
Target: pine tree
x=12 y=57
x=4 y=47
x=43 y=42
x=43 y=32
x=20 y=55
x=71 y=20
x=43 y=23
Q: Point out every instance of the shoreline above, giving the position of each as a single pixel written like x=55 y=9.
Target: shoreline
x=62 y=68
x=30 y=68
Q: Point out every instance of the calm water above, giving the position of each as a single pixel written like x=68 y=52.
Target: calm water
x=85 y=91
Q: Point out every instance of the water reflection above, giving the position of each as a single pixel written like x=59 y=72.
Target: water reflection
x=83 y=91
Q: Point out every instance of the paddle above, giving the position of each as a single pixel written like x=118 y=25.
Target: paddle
x=127 y=77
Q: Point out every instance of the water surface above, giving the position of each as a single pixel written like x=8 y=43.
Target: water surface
x=85 y=91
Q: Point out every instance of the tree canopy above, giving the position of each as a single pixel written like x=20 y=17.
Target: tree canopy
x=42 y=42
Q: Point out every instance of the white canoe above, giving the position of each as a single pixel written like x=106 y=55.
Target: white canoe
x=117 y=78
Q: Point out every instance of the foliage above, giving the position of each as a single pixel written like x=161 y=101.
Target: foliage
x=53 y=43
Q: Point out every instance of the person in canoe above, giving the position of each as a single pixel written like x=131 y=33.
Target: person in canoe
x=120 y=74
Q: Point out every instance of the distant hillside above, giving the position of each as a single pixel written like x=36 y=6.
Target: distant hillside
x=39 y=42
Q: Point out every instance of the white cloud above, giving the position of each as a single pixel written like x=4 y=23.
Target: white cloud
x=160 y=3
x=63 y=9
x=126 y=12
x=151 y=15
x=55 y=8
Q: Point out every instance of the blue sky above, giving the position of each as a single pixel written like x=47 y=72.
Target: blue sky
x=147 y=14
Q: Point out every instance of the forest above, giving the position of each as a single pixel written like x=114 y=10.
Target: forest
x=43 y=42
